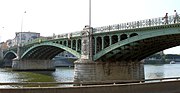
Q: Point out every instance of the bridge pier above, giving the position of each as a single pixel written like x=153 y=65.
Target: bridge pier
x=7 y=62
x=1 y=57
x=33 y=65
x=88 y=71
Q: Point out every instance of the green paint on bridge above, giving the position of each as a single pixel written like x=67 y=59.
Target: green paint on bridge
x=126 y=41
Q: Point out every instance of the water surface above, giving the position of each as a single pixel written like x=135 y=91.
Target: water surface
x=66 y=74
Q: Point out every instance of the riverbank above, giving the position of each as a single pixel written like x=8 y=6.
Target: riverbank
x=162 y=59
x=153 y=87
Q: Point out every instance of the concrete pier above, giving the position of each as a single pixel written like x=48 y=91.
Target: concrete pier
x=30 y=65
x=7 y=62
x=1 y=58
x=86 y=70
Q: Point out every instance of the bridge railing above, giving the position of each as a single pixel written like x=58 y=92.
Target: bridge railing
x=68 y=35
x=124 y=26
x=137 y=24
x=63 y=84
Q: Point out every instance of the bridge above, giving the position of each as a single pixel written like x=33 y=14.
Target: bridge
x=112 y=52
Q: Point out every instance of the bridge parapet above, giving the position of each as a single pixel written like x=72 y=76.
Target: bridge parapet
x=126 y=26
x=136 y=24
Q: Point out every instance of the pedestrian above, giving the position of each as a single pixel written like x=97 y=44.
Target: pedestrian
x=137 y=23
x=176 y=17
x=149 y=21
x=127 y=25
x=165 y=18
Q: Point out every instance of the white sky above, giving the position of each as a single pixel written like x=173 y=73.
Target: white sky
x=62 y=16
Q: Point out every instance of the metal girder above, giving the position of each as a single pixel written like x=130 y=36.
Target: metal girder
x=147 y=37
x=52 y=45
x=10 y=54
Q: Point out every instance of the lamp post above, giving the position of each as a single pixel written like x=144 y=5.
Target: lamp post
x=89 y=13
x=21 y=28
x=1 y=51
x=19 y=41
x=90 y=34
x=1 y=34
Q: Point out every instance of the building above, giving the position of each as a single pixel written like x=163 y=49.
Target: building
x=24 y=37
x=4 y=45
x=20 y=39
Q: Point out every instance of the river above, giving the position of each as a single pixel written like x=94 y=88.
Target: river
x=66 y=74
x=161 y=71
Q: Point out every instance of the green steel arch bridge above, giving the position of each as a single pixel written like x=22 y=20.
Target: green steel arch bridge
x=110 y=52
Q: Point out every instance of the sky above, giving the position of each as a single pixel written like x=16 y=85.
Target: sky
x=49 y=17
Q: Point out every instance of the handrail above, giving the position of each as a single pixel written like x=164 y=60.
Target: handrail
x=92 y=82
x=138 y=24
x=126 y=26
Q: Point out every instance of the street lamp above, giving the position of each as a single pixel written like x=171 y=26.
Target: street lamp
x=90 y=34
x=21 y=28
x=19 y=41
x=1 y=33
x=89 y=13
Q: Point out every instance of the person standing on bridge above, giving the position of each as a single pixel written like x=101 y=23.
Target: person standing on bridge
x=165 y=18
x=176 y=17
x=149 y=22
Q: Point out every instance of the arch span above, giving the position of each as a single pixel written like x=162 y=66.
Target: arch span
x=143 y=45
x=47 y=50
x=133 y=34
x=10 y=55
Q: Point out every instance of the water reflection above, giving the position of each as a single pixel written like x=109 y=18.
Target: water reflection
x=36 y=76
x=162 y=71
x=154 y=71
x=61 y=74
x=6 y=75
x=64 y=74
